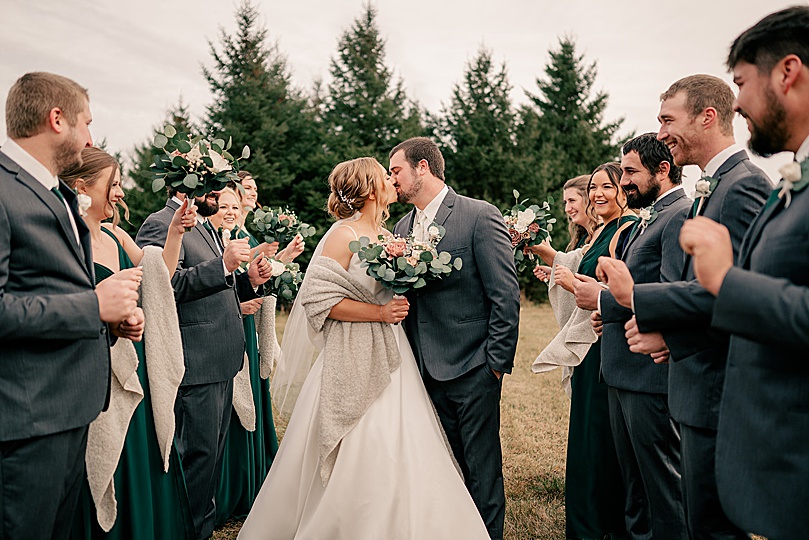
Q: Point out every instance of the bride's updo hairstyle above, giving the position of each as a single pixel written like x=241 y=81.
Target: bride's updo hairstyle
x=351 y=183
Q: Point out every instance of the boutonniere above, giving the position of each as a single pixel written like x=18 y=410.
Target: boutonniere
x=84 y=202
x=705 y=187
x=647 y=216
x=794 y=178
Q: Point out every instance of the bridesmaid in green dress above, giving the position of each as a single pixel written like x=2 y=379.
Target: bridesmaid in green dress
x=248 y=455
x=594 y=491
x=151 y=503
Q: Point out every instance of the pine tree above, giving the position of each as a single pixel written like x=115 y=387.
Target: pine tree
x=256 y=104
x=477 y=135
x=365 y=111
x=139 y=196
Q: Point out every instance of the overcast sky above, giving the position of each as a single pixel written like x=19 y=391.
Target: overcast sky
x=138 y=57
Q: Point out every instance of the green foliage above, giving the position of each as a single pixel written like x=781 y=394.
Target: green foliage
x=284 y=285
x=279 y=225
x=527 y=226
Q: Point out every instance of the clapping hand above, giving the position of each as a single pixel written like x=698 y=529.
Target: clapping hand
x=293 y=249
x=542 y=273
x=268 y=250
x=710 y=247
x=651 y=343
x=118 y=295
x=236 y=253
x=184 y=218
x=260 y=270
x=616 y=274
x=586 y=290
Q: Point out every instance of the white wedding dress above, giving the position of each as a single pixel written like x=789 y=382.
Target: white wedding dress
x=394 y=477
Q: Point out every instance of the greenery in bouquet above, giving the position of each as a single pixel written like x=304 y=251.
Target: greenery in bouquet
x=285 y=281
x=279 y=225
x=527 y=226
x=192 y=164
x=404 y=264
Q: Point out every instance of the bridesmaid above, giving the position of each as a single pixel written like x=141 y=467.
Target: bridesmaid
x=151 y=503
x=594 y=491
x=248 y=455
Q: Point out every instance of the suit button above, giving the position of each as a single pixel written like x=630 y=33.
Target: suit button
x=103 y=330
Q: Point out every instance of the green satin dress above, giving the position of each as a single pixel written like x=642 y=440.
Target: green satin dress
x=594 y=491
x=152 y=504
x=248 y=455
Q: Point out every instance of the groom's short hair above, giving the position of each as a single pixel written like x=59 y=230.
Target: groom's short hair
x=703 y=91
x=419 y=148
x=652 y=153
x=33 y=96
x=772 y=38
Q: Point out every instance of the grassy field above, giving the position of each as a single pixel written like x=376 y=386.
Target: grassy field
x=534 y=434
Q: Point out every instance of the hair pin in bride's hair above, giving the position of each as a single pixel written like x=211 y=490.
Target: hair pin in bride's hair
x=345 y=199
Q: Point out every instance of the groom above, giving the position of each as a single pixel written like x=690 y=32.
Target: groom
x=463 y=329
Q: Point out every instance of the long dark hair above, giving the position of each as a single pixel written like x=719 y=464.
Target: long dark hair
x=94 y=161
x=613 y=171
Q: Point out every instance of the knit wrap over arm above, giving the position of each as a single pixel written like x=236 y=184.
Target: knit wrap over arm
x=358 y=357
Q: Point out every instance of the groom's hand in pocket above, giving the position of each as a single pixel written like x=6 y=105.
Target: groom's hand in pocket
x=394 y=311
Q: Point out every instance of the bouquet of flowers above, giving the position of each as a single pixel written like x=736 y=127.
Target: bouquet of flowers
x=403 y=264
x=279 y=225
x=527 y=226
x=285 y=281
x=193 y=165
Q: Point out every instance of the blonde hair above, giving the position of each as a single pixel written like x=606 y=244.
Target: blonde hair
x=576 y=231
x=93 y=162
x=351 y=183
x=32 y=98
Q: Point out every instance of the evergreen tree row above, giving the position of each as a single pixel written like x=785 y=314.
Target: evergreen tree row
x=491 y=147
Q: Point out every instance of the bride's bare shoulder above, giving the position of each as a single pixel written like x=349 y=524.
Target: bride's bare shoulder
x=336 y=245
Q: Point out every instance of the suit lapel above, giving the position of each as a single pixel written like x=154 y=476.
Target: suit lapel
x=446 y=207
x=755 y=230
x=659 y=206
x=207 y=237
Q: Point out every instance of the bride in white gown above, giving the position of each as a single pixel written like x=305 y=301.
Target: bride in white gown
x=394 y=476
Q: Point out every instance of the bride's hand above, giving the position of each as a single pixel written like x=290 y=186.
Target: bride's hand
x=394 y=311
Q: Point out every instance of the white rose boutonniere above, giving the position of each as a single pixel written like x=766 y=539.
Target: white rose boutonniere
x=703 y=188
x=647 y=216
x=84 y=202
x=434 y=233
x=791 y=174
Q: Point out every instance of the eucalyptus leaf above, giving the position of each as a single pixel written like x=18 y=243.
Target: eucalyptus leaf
x=160 y=140
x=158 y=184
x=169 y=131
x=354 y=246
x=444 y=257
x=191 y=181
x=184 y=147
x=245 y=152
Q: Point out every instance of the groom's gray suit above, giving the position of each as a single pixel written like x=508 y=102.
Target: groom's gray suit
x=54 y=355
x=461 y=329
x=213 y=346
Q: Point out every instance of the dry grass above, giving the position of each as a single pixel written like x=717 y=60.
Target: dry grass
x=534 y=434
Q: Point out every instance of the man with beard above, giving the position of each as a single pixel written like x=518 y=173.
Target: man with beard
x=207 y=293
x=696 y=122
x=463 y=329
x=762 y=459
x=55 y=368
x=647 y=439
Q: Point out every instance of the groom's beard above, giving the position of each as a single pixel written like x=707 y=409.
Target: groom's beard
x=405 y=196
x=769 y=136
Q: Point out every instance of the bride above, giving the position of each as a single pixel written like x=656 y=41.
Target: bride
x=364 y=456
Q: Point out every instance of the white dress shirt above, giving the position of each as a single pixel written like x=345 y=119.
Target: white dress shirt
x=425 y=218
x=40 y=172
x=802 y=153
x=719 y=159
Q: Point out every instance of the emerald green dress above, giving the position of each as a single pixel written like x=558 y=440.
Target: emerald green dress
x=152 y=504
x=594 y=491
x=248 y=455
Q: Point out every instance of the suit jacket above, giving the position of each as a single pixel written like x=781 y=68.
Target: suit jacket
x=652 y=257
x=207 y=302
x=682 y=310
x=55 y=366
x=471 y=317
x=761 y=447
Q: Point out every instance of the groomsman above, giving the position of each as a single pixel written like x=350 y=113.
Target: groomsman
x=207 y=294
x=762 y=456
x=647 y=439
x=696 y=121
x=463 y=329
x=55 y=367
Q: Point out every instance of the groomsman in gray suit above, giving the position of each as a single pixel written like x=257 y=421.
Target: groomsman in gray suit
x=463 y=329
x=762 y=456
x=696 y=122
x=647 y=439
x=208 y=294
x=55 y=367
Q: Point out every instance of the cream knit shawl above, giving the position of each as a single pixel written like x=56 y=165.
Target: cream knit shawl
x=358 y=357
